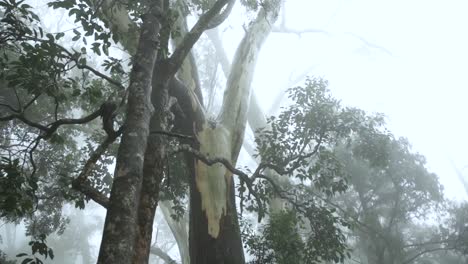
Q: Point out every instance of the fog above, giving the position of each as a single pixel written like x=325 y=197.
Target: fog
x=405 y=59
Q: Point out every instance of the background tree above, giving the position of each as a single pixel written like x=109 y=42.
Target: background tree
x=56 y=85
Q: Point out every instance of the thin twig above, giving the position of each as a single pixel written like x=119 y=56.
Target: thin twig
x=172 y=134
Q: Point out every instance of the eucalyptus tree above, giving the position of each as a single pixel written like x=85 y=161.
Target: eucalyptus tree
x=139 y=166
x=54 y=150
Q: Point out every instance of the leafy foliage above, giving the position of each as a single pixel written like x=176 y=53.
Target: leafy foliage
x=39 y=86
x=279 y=242
x=390 y=188
x=37 y=246
x=299 y=144
x=16 y=190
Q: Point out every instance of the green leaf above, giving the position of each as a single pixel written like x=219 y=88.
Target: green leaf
x=50 y=37
x=27 y=260
x=95 y=48
x=105 y=50
x=59 y=35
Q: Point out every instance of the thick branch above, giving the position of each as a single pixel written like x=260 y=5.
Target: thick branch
x=80 y=183
x=216 y=21
x=52 y=127
x=172 y=134
x=49 y=129
x=192 y=37
x=162 y=255
x=233 y=114
x=244 y=177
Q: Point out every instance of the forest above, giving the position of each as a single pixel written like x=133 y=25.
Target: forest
x=134 y=132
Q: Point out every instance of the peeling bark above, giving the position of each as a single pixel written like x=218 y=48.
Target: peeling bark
x=255 y=116
x=155 y=155
x=212 y=181
x=214 y=228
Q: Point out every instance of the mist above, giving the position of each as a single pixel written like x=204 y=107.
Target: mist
x=223 y=131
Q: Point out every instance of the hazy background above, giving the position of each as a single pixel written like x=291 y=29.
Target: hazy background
x=406 y=59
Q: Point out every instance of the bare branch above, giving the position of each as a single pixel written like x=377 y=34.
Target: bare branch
x=284 y=29
x=244 y=177
x=258 y=174
x=370 y=44
x=216 y=21
x=24 y=120
x=173 y=134
x=192 y=37
x=52 y=127
x=162 y=255
x=410 y=260
x=233 y=114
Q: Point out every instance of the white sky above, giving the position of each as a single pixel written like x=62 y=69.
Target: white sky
x=418 y=79
x=416 y=73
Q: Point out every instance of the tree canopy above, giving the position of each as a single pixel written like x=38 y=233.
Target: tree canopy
x=130 y=87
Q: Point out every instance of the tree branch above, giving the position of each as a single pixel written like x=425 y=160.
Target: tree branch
x=52 y=127
x=49 y=129
x=74 y=57
x=162 y=255
x=192 y=37
x=173 y=134
x=426 y=251
x=250 y=180
x=216 y=21
x=80 y=183
x=284 y=29
x=213 y=160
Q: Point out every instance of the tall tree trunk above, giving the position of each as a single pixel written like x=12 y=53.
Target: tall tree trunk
x=153 y=170
x=120 y=230
x=155 y=154
x=214 y=235
x=227 y=247
x=131 y=209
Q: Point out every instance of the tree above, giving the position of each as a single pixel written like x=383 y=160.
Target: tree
x=39 y=80
x=127 y=231
x=391 y=195
x=154 y=127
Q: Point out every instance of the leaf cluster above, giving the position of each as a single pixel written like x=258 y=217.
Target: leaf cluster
x=37 y=246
